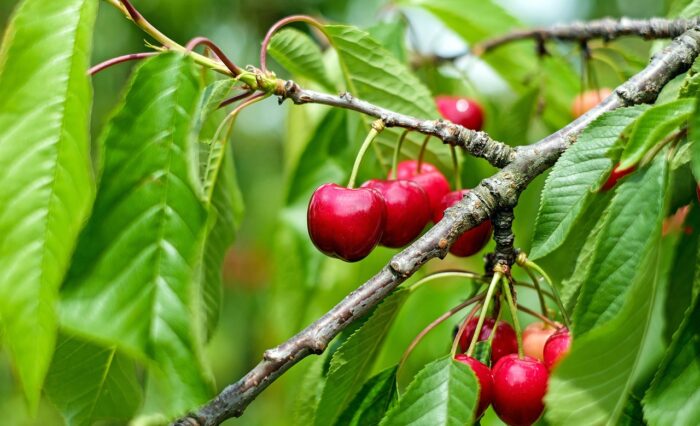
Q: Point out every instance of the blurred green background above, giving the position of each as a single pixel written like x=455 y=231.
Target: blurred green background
x=265 y=302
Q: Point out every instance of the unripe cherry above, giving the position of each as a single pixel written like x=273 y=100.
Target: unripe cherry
x=588 y=100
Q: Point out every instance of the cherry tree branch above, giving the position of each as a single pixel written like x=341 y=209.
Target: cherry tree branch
x=606 y=29
x=475 y=142
x=500 y=191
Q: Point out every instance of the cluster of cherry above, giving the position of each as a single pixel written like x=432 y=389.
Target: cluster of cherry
x=348 y=223
x=515 y=385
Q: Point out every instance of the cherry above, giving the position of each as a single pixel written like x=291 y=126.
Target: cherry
x=429 y=178
x=463 y=111
x=407 y=210
x=588 y=100
x=473 y=239
x=483 y=374
x=504 y=342
x=346 y=223
x=615 y=176
x=557 y=347
x=535 y=336
x=519 y=386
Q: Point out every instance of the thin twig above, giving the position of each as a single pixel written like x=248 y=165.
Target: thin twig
x=118 y=60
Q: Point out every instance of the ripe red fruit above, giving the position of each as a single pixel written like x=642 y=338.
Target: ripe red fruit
x=483 y=374
x=557 y=347
x=463 y=111
x=519 y=386
x=472 y=240
x=616 y=175
x=345 y=223
x=535 y=336
x=504 y=342
x=588 y=100
x=428 y=178
x=407 y=210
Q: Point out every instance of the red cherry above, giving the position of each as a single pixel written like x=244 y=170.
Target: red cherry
x=535 y=336
x=616 y=175
x=519 y=386
x=345 y=223
x=463 y=111
x=407 y=210
x=504 y=342
x=483 y=374
x=557 y=347
x=472 y=240
x=429 y=178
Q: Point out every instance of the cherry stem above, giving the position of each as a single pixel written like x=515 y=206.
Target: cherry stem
x=120 y=59
x=446 y=274
x=460 y=330
x=514 y=316
x=489 y=294
x=397 y=151
x=235 y=98
x=439 y=320
x=377 y=127
x=673 y=137
x=455 y=167
x=192 y=44
x=279 y=24
x=530 y=264
x=539 y=316
x=540 y=295
x=545 y=292
x=423 y=146
x=495 y=326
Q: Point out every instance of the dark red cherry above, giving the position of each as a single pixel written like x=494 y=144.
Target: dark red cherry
x=407 y=210
x=504 y=342
x=483 y=374
x=429 y=178
x=463 y=111
x=519 y=386
x=557 y=347
x=472 y=240
x=615 y=176
x=345 y=223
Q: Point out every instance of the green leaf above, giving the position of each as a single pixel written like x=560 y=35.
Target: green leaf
x=592 y=384
x=444 y=392
x=631 y=223
x=392 y=35
x=651 y=127
x=575 y=178
x=89 y=382
x=375 y=75
x=353 y=361
x=372 y=401
x=225 y=203
x=691 y=83
x=300 y=55
x=45 y=174
x=132 y=281
x=674 y=396
x=694 y=138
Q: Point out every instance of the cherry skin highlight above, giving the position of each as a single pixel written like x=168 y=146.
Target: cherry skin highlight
x=345 y=223
x=519 y=386
x=504 y=342
x=473 y=240
x=557 y=347
x=535 y=336
x=407 y=210
x=483 y=374
x=588 y=100
x=429 y=178
x=463 y=111
x=615 y=176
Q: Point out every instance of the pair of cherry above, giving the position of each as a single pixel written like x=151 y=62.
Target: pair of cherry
x=515 y=386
